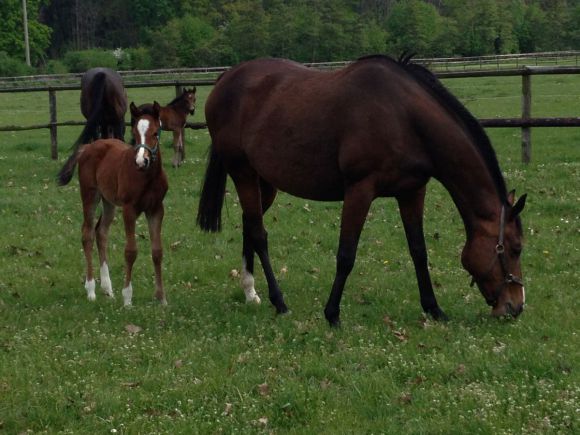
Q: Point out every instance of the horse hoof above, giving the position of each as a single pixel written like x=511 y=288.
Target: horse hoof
x=255 y=299
x=438 y=314
x=334 y=323
x=283 y=309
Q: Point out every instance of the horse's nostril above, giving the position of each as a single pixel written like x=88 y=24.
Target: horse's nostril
x=514 y=311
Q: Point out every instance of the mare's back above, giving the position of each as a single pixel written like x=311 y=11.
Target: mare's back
x=280 y=87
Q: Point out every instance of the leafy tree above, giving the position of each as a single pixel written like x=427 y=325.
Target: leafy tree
x=529 y=28
x=247 y=29
x=413 y=27
x=12 y=30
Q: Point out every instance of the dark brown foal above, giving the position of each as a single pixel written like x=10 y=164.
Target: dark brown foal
x=173 y=118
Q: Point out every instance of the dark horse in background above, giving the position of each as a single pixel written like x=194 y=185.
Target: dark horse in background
x=173 y=118
x=103 y=104
x=377 y=128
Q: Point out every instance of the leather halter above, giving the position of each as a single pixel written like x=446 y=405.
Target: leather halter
x=508 y=278
x=153 y=151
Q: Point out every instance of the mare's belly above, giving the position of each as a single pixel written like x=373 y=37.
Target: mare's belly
x=307 y=170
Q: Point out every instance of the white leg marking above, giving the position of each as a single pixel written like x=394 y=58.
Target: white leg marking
x=128 y=294
x=90 y=288
x=248 y=285
x=106 y=280
x=523 y=295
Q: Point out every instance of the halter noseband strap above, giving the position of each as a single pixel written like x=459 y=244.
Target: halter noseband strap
x=509 y=278
x=153 y=151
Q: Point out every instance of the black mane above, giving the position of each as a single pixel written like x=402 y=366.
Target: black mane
x=428 y=80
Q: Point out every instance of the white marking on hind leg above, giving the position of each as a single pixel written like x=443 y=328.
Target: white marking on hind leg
x=106 y=280
x=127 y=294
x=90 y=288
x=248 y=285
x=523 y=295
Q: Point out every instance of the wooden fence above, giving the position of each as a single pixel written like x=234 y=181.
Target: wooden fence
x=525 y=122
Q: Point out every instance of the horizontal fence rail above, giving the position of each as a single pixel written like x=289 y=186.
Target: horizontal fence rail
x=437 y=65
x=525 y=122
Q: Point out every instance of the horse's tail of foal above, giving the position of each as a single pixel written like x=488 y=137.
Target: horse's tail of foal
x=66 y=172
x=209 y=214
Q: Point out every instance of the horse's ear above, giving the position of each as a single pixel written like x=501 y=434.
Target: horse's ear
x=135 y=112
x=193 y=90
x=519 y=206
x=511 y=197
x=156 y=109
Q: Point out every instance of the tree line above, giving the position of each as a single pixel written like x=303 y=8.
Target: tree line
x=70 y=35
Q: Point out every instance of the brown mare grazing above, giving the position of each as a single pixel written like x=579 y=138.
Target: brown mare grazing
x=377 y=128
x=103 y=104
x=173 y=118
x=129 y=177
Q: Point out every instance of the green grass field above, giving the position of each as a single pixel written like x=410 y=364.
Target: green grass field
x=209 y=363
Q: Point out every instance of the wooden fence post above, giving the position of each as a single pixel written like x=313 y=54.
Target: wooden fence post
x=53 y=141
x=526 y=115
x=178 y=90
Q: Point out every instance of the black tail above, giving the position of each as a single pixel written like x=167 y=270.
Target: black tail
x=209 y=213
x=95 y=118
x=66 y=172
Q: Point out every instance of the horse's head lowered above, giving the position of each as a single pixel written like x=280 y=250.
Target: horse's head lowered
x=146 y=130
x=492 y=257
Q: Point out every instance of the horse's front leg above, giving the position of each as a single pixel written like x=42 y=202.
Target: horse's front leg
x=102 y=231
x=155 y=220
x=411 y=209
x=129 y=219
x=357 y=201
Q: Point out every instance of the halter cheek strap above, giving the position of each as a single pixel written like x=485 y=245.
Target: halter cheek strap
x=508 y=278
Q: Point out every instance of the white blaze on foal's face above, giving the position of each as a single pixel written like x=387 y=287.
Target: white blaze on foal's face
x=142 y=128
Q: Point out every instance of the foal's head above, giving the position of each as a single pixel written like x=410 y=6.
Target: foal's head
x=146 y=130
x=492 y=257
x=189 y=96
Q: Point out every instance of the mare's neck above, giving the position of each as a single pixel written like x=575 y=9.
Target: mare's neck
x=474 y=193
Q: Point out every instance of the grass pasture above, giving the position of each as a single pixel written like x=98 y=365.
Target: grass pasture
x=209 y=363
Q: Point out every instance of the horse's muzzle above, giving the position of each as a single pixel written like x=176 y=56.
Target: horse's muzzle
x=508 y=309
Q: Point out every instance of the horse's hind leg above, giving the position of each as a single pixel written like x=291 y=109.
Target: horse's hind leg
x=357 y=201
x=268 y=194
x=411 y=210
x=90 y=198
x=254 y=234
x=177 y=146
x=102 y=241
x=182 y=146
x=154 y=221
x=129 y=218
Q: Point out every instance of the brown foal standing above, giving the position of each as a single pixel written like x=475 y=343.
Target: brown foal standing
x=129 y=177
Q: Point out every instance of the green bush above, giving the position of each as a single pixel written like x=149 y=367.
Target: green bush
x=10 y=67
x=135 y=59
x=80 y=61
x=54 y=66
